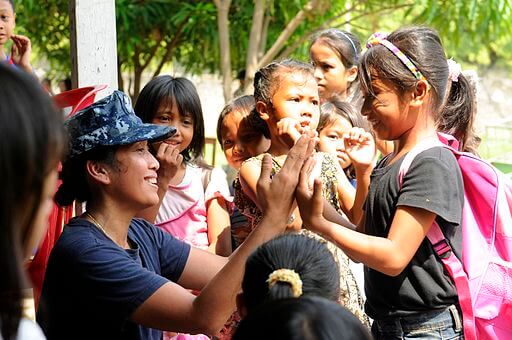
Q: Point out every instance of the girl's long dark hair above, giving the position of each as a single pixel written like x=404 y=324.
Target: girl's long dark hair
x=168 y=90
x=31 y=144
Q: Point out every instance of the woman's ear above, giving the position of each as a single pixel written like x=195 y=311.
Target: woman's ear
x=98 y=171
x=352 y=74
x=420 y=93
x=262 y=108
x=240 y=305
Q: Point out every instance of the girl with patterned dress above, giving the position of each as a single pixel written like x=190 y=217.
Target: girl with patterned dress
x=287 y=100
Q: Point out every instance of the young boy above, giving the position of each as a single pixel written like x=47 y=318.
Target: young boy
x=21 y=48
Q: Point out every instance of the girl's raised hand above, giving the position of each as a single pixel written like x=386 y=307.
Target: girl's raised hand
x=360 y=147
x=21 y=51
x=170 y=161
x=289 y=130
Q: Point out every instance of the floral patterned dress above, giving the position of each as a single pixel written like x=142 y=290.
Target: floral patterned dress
x=350 y=295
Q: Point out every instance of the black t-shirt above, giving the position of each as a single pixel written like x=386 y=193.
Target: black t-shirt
x=92 y=286
x=434 y=183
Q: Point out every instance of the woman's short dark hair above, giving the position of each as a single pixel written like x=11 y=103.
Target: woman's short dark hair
x=32 y=141
x=304 y=318
x=75 y=184
x=308 y=257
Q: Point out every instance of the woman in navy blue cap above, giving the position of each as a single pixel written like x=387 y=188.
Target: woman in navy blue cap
x=113 y=276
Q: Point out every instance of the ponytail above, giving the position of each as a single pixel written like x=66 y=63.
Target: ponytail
x=458 y=114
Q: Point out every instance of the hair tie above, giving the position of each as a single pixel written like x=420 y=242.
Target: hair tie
x=351 y=43
x=289 y=276
x=454 y=70
x=380 y=38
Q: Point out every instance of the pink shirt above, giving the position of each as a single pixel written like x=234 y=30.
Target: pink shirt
x=183 y=210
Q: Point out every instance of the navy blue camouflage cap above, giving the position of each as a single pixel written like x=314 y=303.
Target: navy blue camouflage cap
x=108 y=122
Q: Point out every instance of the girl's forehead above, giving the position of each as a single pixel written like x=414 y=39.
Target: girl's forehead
x=169 y=106
x=297 y=80
x=232 y=118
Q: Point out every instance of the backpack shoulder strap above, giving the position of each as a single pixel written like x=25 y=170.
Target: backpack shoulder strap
x=411 y=155
x=439 y=243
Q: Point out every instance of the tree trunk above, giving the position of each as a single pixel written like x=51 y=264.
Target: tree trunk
x=287 y=32
x=251 y=63
x=225 y=56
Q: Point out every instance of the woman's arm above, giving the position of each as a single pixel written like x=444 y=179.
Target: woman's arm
x=172 y=307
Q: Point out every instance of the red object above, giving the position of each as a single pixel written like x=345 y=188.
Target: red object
x=76 y=100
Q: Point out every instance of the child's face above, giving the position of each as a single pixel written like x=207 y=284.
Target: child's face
x=387 y=112
x=297 y=98
x=168 y=114
x=332 y=77
x=239 y=141
x=7 y=21
x=233 y=149
x=331 y=140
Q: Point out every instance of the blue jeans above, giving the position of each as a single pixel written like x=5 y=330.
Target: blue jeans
x=439 y=324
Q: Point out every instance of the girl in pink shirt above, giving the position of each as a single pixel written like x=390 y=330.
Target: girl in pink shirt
x=193 y=195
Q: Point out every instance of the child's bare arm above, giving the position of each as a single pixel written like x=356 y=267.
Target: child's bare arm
x=388 y=255
x=219 y=227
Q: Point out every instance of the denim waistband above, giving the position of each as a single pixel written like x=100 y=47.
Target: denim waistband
x=428 y=320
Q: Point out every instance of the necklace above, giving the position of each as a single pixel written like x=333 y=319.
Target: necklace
x=100 y=227
x=96 y=223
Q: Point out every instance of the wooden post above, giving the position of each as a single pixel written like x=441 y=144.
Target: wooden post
x=93 y=43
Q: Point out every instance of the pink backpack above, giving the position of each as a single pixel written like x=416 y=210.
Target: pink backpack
x=484 y=277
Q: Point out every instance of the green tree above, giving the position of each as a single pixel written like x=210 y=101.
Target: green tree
x=220 y=36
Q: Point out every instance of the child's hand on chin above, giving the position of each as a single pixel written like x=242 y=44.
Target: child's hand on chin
x=289 y=130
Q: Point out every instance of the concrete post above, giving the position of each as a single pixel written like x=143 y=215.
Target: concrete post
x=93 y=44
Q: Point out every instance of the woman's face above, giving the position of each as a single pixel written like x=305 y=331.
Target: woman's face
x=332 y=77
x=133 y=177
x=40 y=222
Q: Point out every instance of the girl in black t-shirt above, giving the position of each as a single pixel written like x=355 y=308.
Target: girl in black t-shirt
x=404 y=77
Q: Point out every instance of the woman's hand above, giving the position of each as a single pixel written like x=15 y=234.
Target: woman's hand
x=276 y=194
x=309 y=198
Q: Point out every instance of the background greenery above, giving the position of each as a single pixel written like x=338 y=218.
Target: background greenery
x=153 y=34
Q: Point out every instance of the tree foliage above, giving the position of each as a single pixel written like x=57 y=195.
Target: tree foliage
x=156 y=33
